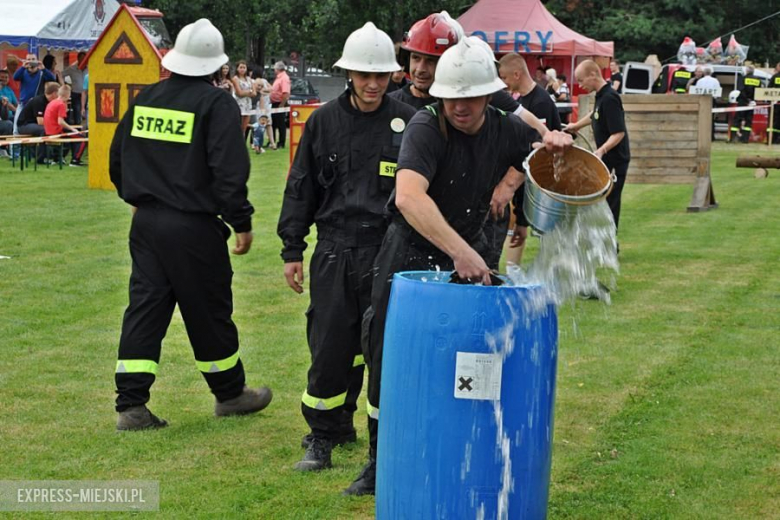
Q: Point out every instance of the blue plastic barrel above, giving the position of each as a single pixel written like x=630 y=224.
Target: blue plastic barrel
x=441 y=454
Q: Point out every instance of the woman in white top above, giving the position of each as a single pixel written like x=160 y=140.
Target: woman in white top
x=244 y=92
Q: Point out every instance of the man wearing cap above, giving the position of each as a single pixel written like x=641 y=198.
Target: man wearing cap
x=453 y=156
x=31 y=79
x=178 y=156
x=340 y=180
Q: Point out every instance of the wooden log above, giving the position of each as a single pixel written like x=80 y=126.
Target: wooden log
x=756 y=161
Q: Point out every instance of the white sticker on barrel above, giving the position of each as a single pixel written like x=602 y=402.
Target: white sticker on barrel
x=478 y=376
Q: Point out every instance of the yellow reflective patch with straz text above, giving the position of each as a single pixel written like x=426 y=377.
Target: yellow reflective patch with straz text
x=162 y=124
x=387 y=169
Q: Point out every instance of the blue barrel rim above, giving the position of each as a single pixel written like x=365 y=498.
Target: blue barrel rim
x=442 y=277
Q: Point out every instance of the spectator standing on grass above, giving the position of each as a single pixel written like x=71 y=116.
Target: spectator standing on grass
x=563 y=96
x=280 y=96
x=616 y=78
x=8 y=104
x=264 y=126
x=709 y=82
x=177 y=155
x=244 y=91
x=221 y=79
x=74 y=77
x=31 y=79
x=12 y=64
x=50 y=65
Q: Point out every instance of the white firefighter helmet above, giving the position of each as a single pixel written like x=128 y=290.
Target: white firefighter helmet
x=733 y=96
x=466 y=70
x=368 y=49
x=486 y=47
x=199 y=50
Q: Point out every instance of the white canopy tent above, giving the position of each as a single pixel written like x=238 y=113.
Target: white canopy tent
x=69 y=25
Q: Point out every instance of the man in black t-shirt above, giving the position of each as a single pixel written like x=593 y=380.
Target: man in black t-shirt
x=453 y=157
x=609 y=129
x=30 y=120
x=616 y=79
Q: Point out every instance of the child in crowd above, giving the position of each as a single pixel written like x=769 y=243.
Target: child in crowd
x=54 y=122
x=260 y=128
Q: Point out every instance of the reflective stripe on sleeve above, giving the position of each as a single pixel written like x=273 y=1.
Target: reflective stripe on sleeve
x=358 y=361
x=220 y=365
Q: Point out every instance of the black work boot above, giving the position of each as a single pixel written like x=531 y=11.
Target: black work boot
x=251 y=400
x=365 y=484
x=338 y=439
x=138 y=418
x=317 y=456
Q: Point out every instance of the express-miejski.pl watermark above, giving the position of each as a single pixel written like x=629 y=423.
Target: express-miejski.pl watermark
x=79 y=495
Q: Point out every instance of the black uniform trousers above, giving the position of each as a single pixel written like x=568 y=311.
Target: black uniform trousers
x=178 y=258
x=742 y=122
x=35 y=130
x=613 y=199
x=398 y=253
x=340 y=284
x=774 y=134
x=279 y=124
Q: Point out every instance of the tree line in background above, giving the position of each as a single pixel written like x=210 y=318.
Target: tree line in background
x=264 y=30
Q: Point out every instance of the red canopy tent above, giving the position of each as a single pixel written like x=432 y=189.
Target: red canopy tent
x=527 y=27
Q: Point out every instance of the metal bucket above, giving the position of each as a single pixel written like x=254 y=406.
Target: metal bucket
x=583 y=180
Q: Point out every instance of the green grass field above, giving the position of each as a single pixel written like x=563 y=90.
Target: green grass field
x=667 y=403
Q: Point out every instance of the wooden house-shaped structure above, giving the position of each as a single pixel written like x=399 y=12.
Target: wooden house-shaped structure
x=122 y=62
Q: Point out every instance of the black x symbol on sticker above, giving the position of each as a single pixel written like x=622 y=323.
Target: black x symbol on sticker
x=465 y=383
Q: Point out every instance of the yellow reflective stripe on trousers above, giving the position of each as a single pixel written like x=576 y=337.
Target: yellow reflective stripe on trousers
x=328 y=403
x=220 y=365
x=135 y=366
x=372 y=412
x=162 y=124
x=358 y=361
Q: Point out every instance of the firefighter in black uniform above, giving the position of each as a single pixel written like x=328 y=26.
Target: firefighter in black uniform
x=608 y=122
x=340 y=180
x=454 y=154
x=774 y=128
x=421 y=49
x=178 y=157
x=742 y=125
x=680 y=79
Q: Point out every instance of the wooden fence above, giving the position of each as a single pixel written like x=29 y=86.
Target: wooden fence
x=670 y=137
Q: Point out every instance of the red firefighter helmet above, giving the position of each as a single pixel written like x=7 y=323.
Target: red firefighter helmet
x=432 y=35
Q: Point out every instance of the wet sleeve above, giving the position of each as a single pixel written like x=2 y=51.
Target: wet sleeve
x=228 y=161
x=300 y=200
x=421 y=146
